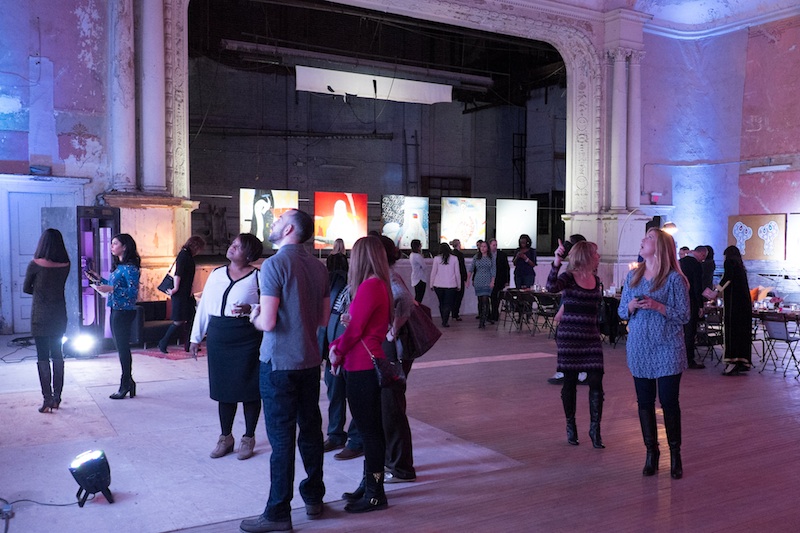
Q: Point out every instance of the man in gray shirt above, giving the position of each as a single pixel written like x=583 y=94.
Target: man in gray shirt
x=294 y=303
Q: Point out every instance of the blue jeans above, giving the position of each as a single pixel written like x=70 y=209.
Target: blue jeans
x=291 y=400
x=337 y=405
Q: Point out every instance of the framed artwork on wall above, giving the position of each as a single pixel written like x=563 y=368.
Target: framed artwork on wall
x=463 y=219
x=259 y=208
x=339 y=215
x=405 y=218
x=515 y=217
x=758 y=237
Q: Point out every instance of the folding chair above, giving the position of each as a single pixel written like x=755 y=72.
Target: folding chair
x=710 y=334
x=776 y=330
x=509 y=308
x=546 y=309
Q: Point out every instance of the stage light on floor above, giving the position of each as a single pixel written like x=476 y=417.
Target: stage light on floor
x=80 y=345
x=93 y=474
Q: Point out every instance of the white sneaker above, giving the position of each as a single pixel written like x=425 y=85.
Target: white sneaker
x=559 y=375
x=582 y=376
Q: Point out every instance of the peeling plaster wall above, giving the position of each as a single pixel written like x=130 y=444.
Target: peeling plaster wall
x=771 y=118
x=691 y=123
x=53 y=71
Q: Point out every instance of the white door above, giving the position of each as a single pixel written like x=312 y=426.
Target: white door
x=25 y=211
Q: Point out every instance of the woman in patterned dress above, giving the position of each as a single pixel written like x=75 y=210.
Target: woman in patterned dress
x=655 y=302
x=482 y=274
x=578 y=335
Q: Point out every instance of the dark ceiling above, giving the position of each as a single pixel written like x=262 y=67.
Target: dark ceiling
x=314 y=27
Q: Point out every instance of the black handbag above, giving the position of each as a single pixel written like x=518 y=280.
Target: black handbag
x=168 y=283
x=390 y=374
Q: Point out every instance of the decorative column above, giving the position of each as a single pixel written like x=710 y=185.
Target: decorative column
x=122 y=96
x=634 y=176
x=153 y=107
x=619 y=129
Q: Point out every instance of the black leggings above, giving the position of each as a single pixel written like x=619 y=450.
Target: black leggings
x=227 y=412
x=594 y=378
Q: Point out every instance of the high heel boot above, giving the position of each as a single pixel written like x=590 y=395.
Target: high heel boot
x=595 y=414
x=44 y=382
x=374 y=498
x=58 y=381
x=568 y=400
x=672 y=423
x=125 y=386
x=647 y=419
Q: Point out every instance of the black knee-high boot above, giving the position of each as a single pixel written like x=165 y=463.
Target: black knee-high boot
x=647 y=419
x=44 y=382
x=58 y=381
x=164 y=342
x=483 y=310
x=595 y=414
x=568 y=399
x=672 y=423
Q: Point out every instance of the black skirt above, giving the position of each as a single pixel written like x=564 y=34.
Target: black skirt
x=233 y=346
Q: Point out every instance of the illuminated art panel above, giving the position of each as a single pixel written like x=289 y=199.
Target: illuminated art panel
x=405 y=218
x=258 y=208
x=339 y=215
x=758 y=236
x=463 y=219
x=515 y=217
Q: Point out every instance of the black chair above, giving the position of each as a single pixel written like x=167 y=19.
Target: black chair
x=776 y=330
x=517 y=307
x=546 y=308
x=710 y=334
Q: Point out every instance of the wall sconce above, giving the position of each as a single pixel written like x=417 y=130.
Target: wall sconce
x=670 y=228
x=655 y=197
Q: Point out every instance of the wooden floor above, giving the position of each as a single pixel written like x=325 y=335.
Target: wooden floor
x=740 y=438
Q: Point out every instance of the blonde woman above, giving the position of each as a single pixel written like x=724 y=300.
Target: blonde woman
x=655 y=301
x=370 y=315
x=578 y=334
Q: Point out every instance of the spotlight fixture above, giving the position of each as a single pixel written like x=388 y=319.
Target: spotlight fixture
x=90 y=469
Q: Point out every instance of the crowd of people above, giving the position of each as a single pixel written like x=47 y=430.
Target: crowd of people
x=268 y=329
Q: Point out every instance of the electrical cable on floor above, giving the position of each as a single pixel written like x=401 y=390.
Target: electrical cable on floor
x=7 y=511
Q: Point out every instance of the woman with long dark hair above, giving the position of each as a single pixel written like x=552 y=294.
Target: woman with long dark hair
x=482 y=276
x=183 y=302
x=737 y=315
x=578 y=334
x=445 y=281
x=45 y=280
x=232 y=341
x=655 y=302
x=370 y=315
x=122 y=288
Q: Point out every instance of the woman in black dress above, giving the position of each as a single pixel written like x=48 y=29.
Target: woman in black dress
x=578 y=335
x=183 y=303
x=45 y=279
x=737 y=315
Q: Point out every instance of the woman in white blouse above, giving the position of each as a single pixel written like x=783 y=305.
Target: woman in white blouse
x=232 y=342
x=445 y=281
x=417 y=270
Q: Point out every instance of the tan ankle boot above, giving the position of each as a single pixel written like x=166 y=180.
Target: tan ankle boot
x=224 y=446
x=246 y=446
